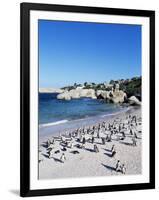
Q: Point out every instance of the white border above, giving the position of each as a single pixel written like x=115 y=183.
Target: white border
x=91 y=181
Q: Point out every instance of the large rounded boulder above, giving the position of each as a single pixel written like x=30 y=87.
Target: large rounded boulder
x=77 y=93
x=134 y=101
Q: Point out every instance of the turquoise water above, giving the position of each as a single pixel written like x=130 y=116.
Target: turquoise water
x=53 y=111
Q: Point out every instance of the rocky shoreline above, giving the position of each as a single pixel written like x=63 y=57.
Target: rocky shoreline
x=116 y=91
x=113 y=96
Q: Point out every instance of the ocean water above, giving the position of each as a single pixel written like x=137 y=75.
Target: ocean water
x=53 y=111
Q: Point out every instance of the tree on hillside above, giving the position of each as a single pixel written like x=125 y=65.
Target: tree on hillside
x=112 y=82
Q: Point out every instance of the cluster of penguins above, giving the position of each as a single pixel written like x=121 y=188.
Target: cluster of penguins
x=104 y=131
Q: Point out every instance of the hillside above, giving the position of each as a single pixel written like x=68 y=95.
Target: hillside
x=132 y=87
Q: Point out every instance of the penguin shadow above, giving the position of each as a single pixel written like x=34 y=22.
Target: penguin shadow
x=57 y=151
x=121 y=139
x=78 y=140
x=108 y=167
x=126 y=143
x=74 y=152
x=45 y=155
x=57 y=160
x=64 y=149
x=90 y=150
x=49 y=149
x=109 y=140
x=78 y=146
x=138 y=138
x=108 y=154
x=63 y=145
x=107 y=150
x=44 y=145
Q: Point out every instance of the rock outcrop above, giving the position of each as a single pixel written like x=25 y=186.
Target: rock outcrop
x=77 y=93
x=114 y=96
x=118 y=97
x=134 y=101
x=102 y=94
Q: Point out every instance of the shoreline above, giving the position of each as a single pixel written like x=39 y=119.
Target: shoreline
x=55 y=128
x=87 y=162
x=124 y=109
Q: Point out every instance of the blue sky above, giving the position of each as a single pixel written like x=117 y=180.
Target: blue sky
x=79 y=52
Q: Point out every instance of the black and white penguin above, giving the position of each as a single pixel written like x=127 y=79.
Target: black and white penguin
x=96 y=148
x=118 y=166
x=63 y=158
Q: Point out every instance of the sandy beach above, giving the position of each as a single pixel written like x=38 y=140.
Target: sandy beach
x=80 y=158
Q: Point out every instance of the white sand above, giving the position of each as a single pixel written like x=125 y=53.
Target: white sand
x=89 y=163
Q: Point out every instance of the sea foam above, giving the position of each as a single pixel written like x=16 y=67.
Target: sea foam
x=53 y=123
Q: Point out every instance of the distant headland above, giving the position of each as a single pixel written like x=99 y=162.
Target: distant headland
x=116 y=91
